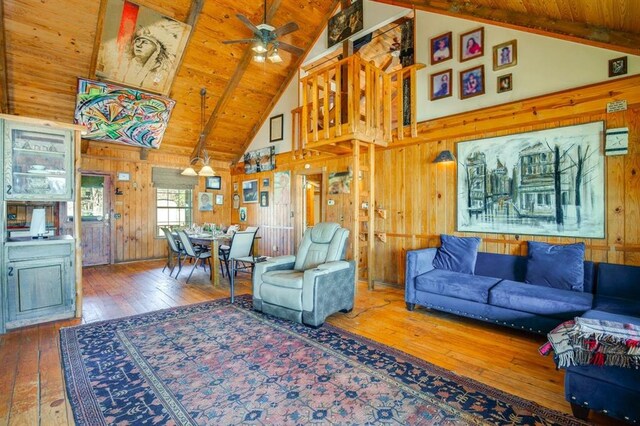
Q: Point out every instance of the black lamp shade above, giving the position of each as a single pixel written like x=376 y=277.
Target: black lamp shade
x=444 y=157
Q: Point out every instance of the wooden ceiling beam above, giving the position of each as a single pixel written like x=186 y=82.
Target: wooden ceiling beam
x=192 y=19
x=578 y=32
x=4 y=86
x=287 y=81
x=231 y=86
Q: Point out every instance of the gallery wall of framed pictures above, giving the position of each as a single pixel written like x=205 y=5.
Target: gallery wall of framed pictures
x=468 y=48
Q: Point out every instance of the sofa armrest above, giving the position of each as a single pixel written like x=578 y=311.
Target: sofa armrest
x=418 y=263
x=311 y=279
x=274 y=263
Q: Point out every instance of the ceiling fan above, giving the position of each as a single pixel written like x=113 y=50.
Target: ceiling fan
x=265 y=39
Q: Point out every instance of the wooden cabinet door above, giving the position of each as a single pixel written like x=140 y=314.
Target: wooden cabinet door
x=38 y=291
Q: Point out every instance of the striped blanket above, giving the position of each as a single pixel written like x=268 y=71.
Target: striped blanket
x=585 y=341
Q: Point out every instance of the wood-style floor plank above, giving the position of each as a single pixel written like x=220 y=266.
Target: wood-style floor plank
x=32 y=389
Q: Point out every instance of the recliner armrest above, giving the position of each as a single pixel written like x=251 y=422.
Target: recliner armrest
x=311 y=279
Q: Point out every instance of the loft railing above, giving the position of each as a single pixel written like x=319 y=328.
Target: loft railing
x=353 y=99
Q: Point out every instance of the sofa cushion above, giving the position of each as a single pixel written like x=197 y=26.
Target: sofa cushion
x=617 y=305
x=457 y=254
x=455 y=284
x=557 y=266
x=558 y=303
x=608 y=316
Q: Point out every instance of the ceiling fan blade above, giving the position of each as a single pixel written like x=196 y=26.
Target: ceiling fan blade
x=244 y=40
x=291 y=49
x=248 y=23
x=286 y=29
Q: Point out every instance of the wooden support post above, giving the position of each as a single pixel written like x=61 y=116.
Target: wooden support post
x=356 y=206
x=371 y=216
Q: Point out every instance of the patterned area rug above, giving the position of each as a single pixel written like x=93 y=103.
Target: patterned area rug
x=223 y=364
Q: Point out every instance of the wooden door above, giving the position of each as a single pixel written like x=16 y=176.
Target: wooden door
x=95 y=194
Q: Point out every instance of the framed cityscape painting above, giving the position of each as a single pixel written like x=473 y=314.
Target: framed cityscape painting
x=548 y=182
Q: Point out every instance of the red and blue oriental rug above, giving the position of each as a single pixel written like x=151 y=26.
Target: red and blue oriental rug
x=221 y=364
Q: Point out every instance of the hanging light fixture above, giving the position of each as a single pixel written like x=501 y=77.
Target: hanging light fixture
x=274 y=56
x=206 y=169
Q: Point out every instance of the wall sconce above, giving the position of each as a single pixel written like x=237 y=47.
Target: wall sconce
x=444 y=157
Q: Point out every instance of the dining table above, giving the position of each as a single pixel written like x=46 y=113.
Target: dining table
x=213 y=242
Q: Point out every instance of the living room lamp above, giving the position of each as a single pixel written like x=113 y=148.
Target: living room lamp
x=206 y=169
x=445 y=157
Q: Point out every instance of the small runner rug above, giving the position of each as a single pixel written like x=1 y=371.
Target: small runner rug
x=224 y=364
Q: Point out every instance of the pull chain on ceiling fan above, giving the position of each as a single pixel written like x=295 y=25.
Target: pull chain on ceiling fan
x=265 y=39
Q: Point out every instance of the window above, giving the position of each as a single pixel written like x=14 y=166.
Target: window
x=174 y=208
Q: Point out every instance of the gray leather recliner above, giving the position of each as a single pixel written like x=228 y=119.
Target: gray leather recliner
x=312 y=285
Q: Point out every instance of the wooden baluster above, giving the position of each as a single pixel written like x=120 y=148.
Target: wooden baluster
x=414 y=109
x=304 y=123
x=387 y=125
x=351 y=94
x=314 y=108
x=325 y=105
x=338 y=100
x=400 y=99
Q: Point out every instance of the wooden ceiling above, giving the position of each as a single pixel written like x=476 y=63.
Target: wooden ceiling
x=49 y=43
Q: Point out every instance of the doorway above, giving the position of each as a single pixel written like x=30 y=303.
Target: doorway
x=95 y=199
x=309 y=201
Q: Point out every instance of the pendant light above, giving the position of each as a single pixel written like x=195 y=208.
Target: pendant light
x=206 y=169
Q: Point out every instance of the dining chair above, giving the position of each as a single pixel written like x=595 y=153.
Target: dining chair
x=191 y=252
x=174 y=249
x=223 y=250
x=240 y=247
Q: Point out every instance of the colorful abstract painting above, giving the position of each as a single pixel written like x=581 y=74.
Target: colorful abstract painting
x=117 y=114
x=140 y=47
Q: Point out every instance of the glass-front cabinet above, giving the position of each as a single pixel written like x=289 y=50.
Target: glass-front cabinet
x=38 y=163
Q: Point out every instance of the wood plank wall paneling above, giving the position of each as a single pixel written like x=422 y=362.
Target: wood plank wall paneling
x=133 y=235
x=419 y=197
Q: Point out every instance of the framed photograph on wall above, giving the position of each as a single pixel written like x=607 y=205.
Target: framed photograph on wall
x=441 y=85
x=441 y=48
x=505 y=55
x=264 y=198
x=213 y=182
x=250 y=191
x=205 y=202
x=472 y=82
x=505 y=83
x=265 y=182
x=472 y=44
x=219 y=199
x=276 y=132
x=242 y=213
x=618 y=66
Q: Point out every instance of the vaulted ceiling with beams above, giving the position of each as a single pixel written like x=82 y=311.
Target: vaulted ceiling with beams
x=48 y=44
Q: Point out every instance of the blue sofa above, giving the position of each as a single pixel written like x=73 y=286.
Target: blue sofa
x=495 y=293
x=613 y=390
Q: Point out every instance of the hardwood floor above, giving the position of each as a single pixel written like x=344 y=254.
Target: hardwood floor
x=32 y=387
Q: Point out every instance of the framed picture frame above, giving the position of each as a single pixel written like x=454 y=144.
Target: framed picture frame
x=472 y=82
x=511 y=168
x=441 y=85
x=124 y=176
x=345 y=23
x=219 y=199
x=505 y=55
x=472 y=44
x=276 y=132
x=250 y=191
x=260 y=160
x=205 y=202
x=505 y=83
x=213 y=182
x=242 y=213
x=441 y=48
x=618 y=66
x=236 y=201
x=264 y=198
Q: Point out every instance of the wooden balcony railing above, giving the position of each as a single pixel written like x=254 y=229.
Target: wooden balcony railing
x=353 y=99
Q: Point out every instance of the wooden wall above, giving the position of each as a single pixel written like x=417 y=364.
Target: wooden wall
x=133 y=235
x=419 y=197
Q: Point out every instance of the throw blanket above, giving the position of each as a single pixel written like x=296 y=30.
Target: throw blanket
x=586 y=341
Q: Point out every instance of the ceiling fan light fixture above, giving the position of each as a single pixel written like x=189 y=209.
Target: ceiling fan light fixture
x=274 y=56
x=259 y=47
x=259 y=57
